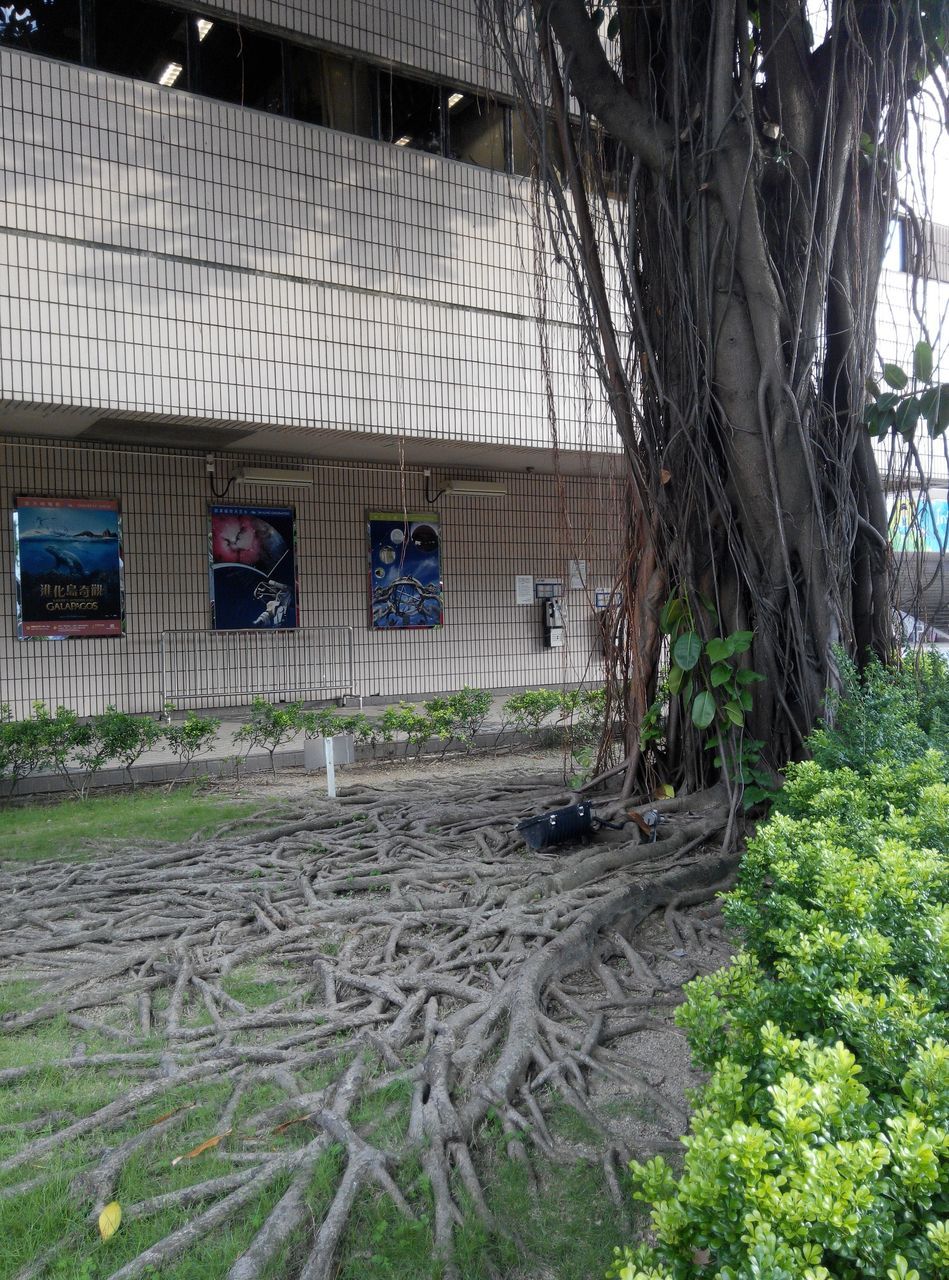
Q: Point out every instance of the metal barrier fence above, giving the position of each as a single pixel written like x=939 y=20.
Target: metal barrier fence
x=213 y=667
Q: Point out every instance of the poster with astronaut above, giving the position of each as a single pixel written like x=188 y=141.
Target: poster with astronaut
x=67 y=558
x=253 y=568
x=405 y=575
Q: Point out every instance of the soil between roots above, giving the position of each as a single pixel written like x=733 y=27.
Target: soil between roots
x=391 y=980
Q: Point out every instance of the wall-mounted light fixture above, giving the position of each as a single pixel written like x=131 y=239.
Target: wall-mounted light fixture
x=460 y=488
x=271 y=475
x=475 y=488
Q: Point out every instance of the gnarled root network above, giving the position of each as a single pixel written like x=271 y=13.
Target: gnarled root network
x=419 y=951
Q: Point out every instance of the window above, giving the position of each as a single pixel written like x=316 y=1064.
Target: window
x=410 y=113
x=50 y=27
x=327 y=90
x=476 y=131
x=237 y=65
x=523 y=159
x=144 y=40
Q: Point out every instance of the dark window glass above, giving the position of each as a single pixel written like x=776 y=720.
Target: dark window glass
x=410 y=113
x=42 y=26
x=523 y=157
x=237 y=65
x=144 y=40
x=330 y=91
x=476 y=130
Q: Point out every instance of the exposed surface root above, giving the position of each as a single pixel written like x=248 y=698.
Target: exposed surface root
x=396 y=971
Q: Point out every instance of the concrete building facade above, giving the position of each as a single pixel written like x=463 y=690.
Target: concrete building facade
x=193 y=284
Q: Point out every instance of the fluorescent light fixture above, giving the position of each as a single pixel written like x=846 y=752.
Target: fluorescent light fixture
x=170 y=74
x=474 y=488
x=404 y=140
x=204 y=26
x=270 y=475
x=455 y=99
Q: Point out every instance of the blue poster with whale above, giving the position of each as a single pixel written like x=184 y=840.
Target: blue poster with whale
x=68 y=562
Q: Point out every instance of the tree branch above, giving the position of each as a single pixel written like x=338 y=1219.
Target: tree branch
x=600 y=89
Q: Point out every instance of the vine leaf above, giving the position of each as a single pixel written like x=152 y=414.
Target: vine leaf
x=894 y=377
x=923 y=361
x=687 y=650
x=703 y=709
x=718 y=649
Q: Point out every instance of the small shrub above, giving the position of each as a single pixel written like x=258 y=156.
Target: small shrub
x=24 y=744
x=526 y=712
x=193 y=737
x=269 y=726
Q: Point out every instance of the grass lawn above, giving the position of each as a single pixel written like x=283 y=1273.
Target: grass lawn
x=71 y=828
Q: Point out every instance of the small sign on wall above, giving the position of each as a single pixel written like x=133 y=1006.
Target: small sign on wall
x=576 y=574
x=523 y=588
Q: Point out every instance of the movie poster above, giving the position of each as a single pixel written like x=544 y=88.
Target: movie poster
x=67 y=556
x=405 y=576
x=253 y=558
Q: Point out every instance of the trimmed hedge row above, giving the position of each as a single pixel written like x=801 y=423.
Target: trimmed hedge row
x=819 y=1148
x=78 y=749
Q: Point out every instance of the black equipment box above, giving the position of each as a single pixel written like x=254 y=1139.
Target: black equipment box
x=559 y=826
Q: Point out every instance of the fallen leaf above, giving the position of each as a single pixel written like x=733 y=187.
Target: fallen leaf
x=109 y=1220
x=169 y=1114
x=665 y=791
x=296 y=1120
x=202 y=1147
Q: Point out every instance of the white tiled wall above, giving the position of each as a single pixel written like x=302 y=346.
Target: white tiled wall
x=486 y=640
x=166 y=253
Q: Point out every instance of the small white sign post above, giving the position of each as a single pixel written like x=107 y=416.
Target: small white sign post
x=330 y=768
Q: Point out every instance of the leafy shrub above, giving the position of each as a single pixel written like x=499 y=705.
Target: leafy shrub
x=24 y=744
x=526 y=712
x=269 y=726
x=819 y=1148
x=193 y=737
x=884 y=711
x=122 y=737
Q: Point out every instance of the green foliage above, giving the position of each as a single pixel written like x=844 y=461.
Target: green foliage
x=122 y=737
x=194 y=736
x=270 y=726
x=819 y=1148
x=526 y=712
x=912 y=401
x=885 y=712
x=715 y=689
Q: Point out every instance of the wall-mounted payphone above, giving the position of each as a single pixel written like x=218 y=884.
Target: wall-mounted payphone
x=549 y=591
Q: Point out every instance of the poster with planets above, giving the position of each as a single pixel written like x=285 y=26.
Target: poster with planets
x=405 y=574
x=253 y=568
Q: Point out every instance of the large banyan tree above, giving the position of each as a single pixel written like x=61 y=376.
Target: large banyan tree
x=720 y=177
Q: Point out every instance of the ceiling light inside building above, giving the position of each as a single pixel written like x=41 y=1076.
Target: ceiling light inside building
x=455 y=99
x=170 y=74
x=403 y=141
x=204 y=26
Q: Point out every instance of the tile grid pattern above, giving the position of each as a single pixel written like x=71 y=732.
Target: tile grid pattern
x=486 y=641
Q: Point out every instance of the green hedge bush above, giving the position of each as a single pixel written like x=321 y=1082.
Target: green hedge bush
x=819 y=1148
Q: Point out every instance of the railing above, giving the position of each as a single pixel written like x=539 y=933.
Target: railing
x=209 y=668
